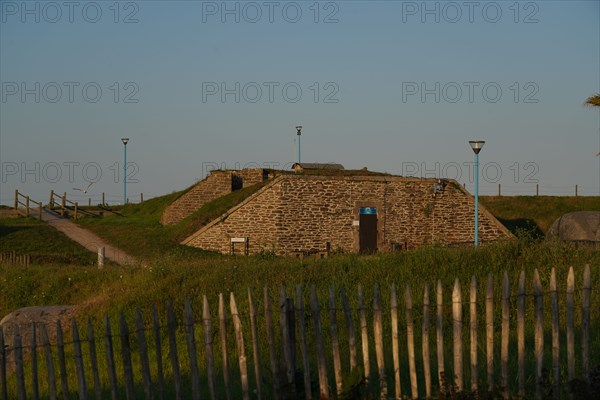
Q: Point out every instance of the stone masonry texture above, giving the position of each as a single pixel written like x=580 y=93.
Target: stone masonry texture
x=217 y=184
x=299 y=214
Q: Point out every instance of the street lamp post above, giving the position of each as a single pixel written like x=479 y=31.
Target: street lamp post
x=299 y=132
x=476 y=145
x=125 y=141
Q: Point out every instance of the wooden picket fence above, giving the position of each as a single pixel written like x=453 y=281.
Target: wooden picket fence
x=321 y=372
x=16 y=259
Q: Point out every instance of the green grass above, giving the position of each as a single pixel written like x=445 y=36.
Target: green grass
x=43 y=243
x=535 y=213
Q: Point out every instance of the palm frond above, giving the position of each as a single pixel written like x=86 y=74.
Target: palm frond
x=593 y=101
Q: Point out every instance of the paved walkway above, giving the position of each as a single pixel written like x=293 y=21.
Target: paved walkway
x=84 y=237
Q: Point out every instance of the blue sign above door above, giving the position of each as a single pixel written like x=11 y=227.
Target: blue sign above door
x=368 y=211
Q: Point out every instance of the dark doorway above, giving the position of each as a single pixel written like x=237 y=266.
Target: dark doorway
x=368 y=230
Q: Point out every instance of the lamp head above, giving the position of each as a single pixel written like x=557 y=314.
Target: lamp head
x=476 y=145
x=299 y=130
x=125 y=140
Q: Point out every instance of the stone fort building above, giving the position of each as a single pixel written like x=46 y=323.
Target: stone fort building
x=321 y=211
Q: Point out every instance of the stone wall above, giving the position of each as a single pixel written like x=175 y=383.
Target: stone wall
x=217 y=184
x=300 y=214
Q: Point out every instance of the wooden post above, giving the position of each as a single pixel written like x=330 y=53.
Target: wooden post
x=34 y=363
x=208 y=343
x=570 y=326
x=3 y=365
x=94 y=360
x=585 y=322
x=457 y=335
x=20 y=372
x=285 y=340
x=110 y=359
x=539 y=332
x=141 y=197
x=239 y=336
x=191 y=346
x=16 y=199
x=103 y=202
x=61 y=361
x=63 y=204
x=473 y=334
x=271 y=340
x=364 y=339
x=378 y=335
x=159 y=360
x=89 y=201
x=489 y=330
x=49 y=363
x=144 y=359
x=440 y=334
x=81 y=385
x=322 y=367
x=223 y=333
x=76 y=208
x=303 y=345
x=555 y=332
x=101 y=255
x=51 y=201
x=349 y=328
x=126 y=357
x=27 y=206
x=395 y=343
x=537 y=189
x=254 y=332
x=172 y=329
x=521 y=333
x=425 y=343
x=505 y=334
x=335 y=345
x=499 y=190
x=576 y=190
x=410 y=341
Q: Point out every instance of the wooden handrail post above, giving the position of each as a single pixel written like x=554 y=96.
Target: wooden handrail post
x=27 y=206
x=51 y=201
x=141 y=197
x=89 y=201
x=16 y=199
x=62 y=206
x=75 y=216
x=103 y=203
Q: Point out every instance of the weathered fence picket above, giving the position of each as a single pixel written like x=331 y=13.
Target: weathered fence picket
x=271 y=339
x=159 y=360
x=239 y=339
x=322 y=367
x=34 y=364
x=110 y=358
x=94 y=360
x=49 y=362
x=254 y=336
x=190 y=338
x=395 y=343
x=208 y=344
x=296 y=317
x=223 y=335
x=144 y=359
x=81 y=385
x=126 y=357
x=425 y=343
x=171 y=331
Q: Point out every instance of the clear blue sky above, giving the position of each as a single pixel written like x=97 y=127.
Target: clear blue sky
x=395 y=86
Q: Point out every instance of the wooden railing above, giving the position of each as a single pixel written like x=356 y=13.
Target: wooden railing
x=322 y=373
x=67 y=206
x=22 y=201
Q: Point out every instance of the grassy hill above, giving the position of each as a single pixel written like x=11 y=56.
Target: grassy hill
x=535 y=213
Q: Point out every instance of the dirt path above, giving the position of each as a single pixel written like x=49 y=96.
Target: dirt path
x=84 y=237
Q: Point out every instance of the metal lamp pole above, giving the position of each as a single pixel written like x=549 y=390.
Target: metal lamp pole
x=476 y=145
x=125 y=141
x=299 y=132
